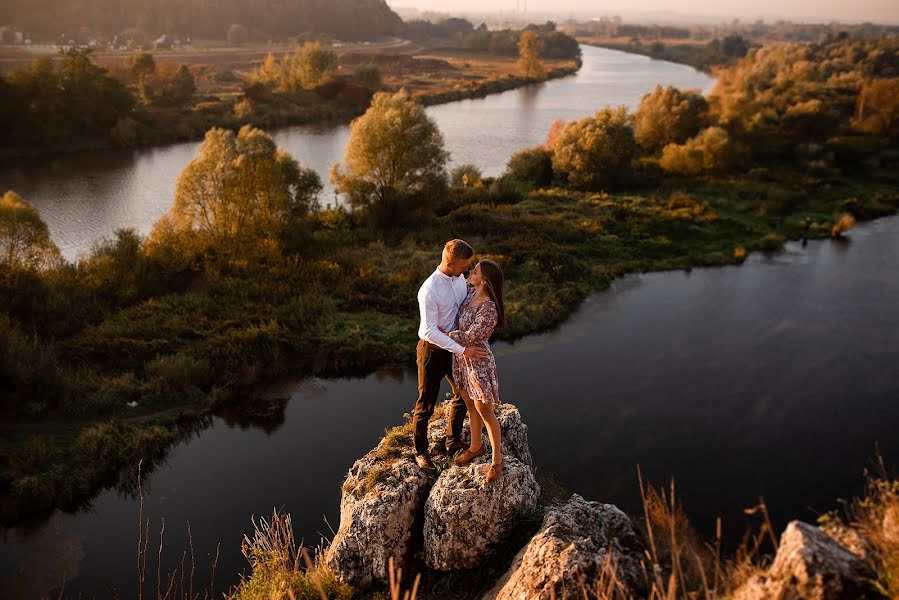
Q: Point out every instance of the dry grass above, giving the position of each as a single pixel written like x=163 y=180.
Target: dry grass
x=875 y=520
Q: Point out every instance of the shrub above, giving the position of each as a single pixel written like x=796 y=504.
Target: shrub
x=709 y=151
x=533 y=165
x=29 y=376
x=368 y=75
x=466 y=175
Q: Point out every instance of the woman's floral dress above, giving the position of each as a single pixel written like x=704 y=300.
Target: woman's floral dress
x=476 y=324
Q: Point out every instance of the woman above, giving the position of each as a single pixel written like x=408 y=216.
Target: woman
x=479 y=314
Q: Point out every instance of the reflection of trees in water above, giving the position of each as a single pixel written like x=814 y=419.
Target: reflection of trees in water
x=125 y=481
x=267 y=414
x=527 y=96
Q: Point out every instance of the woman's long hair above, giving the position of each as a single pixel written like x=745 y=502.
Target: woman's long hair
x=493 y=283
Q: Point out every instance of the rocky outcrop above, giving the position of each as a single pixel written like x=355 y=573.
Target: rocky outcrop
x=380 y=515
x=513 y=430
x=579 y=544
x=465 y=515
x=809 y=565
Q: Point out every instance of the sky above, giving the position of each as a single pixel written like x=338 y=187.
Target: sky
x=878 y=11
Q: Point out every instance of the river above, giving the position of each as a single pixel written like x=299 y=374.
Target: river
x=85 y=197
x=775 y=379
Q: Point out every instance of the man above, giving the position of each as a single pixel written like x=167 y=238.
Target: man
x=439 y=299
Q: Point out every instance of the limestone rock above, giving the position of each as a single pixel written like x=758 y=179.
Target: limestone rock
x=380 y=515
x=512 y=429
x=809 y=565
x=574 y=544
x=465 y=515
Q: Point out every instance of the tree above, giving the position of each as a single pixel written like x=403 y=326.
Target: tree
x=596 y=152
x=466 y=175
x=534 y=165
x=368 y=75
x=709 y=151
x=238 y=195
x=94 y=100
x=669 y=116
x=141 y=65
x=237 y=35
x=877 y=108
x=24 y=238
x=183 y=85
x=529 y=47
x=395 y=161
x=310 y=65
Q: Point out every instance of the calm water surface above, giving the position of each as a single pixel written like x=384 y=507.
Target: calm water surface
x=776 y=378
x=85 y=197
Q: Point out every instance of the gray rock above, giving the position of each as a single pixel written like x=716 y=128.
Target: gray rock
x=380 y=515
x=512 y=429
x=580 y=543
x=809 y=565
x=465 y=515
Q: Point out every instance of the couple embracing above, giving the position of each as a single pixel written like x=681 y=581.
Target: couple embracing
x=457 y=320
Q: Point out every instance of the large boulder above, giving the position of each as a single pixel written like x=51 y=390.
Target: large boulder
x=809 y=565
x=380 y=513
x=465 y=515
x=579 y=544
x=513 y=431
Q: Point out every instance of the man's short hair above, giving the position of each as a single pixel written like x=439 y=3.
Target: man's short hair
x=459 y=249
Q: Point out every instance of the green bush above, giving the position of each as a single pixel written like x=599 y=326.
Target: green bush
x=30 y=380
x=533 y=165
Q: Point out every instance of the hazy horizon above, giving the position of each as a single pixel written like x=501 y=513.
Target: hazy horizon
x=876 y=11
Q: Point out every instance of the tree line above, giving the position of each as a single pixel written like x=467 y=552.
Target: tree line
x=82 y=20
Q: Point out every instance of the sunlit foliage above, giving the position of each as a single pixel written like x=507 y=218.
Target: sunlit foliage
x=24 y=238
x=596 y=152
x=237 y=197
x=668 y=116
x=395 y=162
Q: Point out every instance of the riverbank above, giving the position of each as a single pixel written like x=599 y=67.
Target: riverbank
x=226 y=98
x=702 y=56
x=348 y=307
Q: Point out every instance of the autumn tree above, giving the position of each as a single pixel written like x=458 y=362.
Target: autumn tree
x=395 y=162
x=711 y=150
x=877 y=108
x=669 y=116
x=310 y=65
x=237 y=197
x=598 y=151
x=529 y=47
x=24 y=237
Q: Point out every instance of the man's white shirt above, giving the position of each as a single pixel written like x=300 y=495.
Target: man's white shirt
x=439 y=299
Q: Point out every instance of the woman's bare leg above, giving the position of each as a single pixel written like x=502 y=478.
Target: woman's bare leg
x=475 y=422
x=485 y=410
